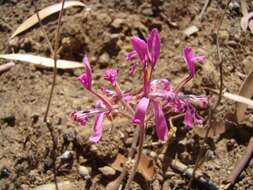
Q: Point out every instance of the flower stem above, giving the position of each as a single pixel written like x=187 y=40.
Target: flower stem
x=137 y=158
x=116 y=183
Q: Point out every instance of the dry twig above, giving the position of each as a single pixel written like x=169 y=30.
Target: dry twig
x=56 y=46
x=189 y=172
x=200 y=158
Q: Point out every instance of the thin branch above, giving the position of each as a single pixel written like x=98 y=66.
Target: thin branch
x=56 y=45
x=219 y=56
x=207 y=2
x=201 y=159
x=43 y=31
x=137 y=158
x=177 y=165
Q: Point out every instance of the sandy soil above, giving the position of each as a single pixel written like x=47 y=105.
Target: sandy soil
x=27 y=151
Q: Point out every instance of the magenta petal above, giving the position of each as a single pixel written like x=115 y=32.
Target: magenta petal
x=160 y=85
x=131 y=55
x=86 y=78
x=80 y=117
x=188 y=118
x=160 y=121
x=140 y=46
x=154 y=44
x=190 y=58
x=188 y=55
x=111 y=75
x=140 y=111
x=97 y=128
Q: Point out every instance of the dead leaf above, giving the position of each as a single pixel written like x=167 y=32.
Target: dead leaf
x=31 y=21
x=246 y=90
x=145 y=167
x=42 y=61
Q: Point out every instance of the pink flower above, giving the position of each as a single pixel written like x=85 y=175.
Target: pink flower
x=190 y=58
x=191 y=118
x=111 y=75
x=98 y=127
x=99 y=113
x=140 y=111
x=160 y=121
x=80 y=117
x=147 y=52
x=158 y=88
x=86 y=78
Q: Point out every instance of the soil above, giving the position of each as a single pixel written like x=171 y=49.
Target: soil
x=27 y=151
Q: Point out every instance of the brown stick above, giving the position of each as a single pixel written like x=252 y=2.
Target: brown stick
x=207 y=2
x=241 y=164
x=177 y=165
x=43 y=31
x=6 y=67
x=56 y=46
x=137 y=158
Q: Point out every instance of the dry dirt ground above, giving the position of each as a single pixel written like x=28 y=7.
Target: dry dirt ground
x=27 y=151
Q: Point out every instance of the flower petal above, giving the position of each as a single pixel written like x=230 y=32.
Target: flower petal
x=86 y=78
x=190 y=117
x=140 y=111
x=154 y=44
x=140 y=46
x=97 y=128
x=80 y=117
x=161 y=85
x=131 y=55
x=160 y=121
x=190 y=58
x=111 y=75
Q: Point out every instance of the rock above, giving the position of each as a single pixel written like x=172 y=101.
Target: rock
x=66 y=155
x=231 y=144
x=104 y=60
x=107 y=171
x=65 y=185
x=166 y=185
x=147 y=11
x=84 y=171
x=169 y=174
x=224 y=35
x=190 y=30
x=104 y=17
x=118 y=23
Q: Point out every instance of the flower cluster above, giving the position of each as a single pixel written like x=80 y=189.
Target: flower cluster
x=154 y=97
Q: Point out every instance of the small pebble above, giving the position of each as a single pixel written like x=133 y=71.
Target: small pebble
x=107 y=171
x=66 y=185
x=231 y=144
x=84 y=171
x=67 y=155
x=169 y=174
x=153 y=154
